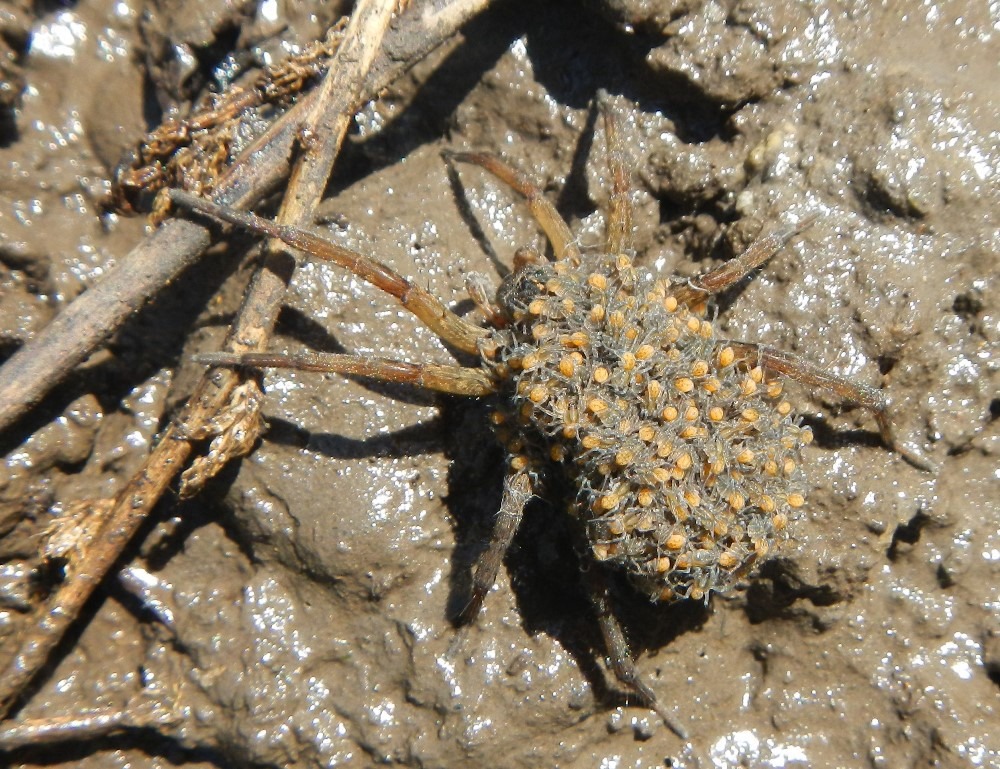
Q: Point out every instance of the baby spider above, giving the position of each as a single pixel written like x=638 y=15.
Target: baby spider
x=681 y=449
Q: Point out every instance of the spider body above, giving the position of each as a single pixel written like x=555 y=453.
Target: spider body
x=682 y=454
x=685 y=462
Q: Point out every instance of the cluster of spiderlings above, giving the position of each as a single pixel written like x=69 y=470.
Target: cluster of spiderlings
x=685 y=458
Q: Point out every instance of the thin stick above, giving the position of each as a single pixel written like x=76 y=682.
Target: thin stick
x=45 y=361
x=325 y=126
x=338 y=99
x=426 y=28
x=84 y=726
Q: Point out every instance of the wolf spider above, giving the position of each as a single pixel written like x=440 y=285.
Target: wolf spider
x=684 y=456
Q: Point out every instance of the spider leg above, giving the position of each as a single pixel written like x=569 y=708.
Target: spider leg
x=733 y=271
x=554 y=226
x=808 y=373
x=618 y=652
x=619 y=226
x=447 y=325
x=482 y=292
x=516 y=494
x=457 y=380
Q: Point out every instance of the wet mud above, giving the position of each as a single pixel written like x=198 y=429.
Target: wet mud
x=298 y=613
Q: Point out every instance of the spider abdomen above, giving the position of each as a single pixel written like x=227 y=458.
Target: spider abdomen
x=684 y=458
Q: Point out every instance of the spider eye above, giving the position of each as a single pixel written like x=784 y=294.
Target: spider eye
x=519 y=289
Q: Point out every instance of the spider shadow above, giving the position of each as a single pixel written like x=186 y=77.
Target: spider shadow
x=150 y=742
x=414 y=441
x=544 y=569
x=545 y=572
x=830 y=438
x=572 y=54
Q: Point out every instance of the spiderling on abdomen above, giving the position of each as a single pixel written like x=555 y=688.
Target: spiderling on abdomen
x=685 y=461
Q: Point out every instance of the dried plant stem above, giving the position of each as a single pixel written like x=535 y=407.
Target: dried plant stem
x=45 y=361
x=77 y=331
x=84 y=726
x=338 y=99
x=321 y=136
x=423 y=28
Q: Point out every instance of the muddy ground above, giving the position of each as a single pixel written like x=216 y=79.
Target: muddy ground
x=297 y=613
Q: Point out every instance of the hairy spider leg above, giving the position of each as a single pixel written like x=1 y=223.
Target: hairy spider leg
x=733 y=271
x=619 y=224
x=517 y=491
x=483 y=293
x=808 y=373
x=452 y=329
x=455 y=380
x=552 y=224
x=619 y=653
x=793 y=366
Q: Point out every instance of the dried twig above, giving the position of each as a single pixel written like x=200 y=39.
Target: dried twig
x=45 y=361
x=426 y=27
x=338 y=99
x=85 y=726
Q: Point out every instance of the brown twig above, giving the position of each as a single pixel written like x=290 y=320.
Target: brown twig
x=45 y=361
x=338 y=98
x=85 y=726
x=425 y=27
